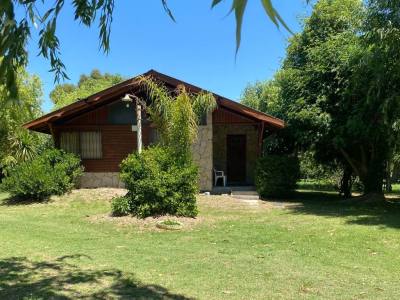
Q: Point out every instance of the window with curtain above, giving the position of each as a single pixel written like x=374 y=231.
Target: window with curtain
x=69 y=141
x=87 y=144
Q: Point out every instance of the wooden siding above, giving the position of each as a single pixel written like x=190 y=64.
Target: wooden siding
x=225 y=116
x=94 y=117
x=117 y=140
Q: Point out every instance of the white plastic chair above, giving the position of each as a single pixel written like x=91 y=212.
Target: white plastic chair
x=218 y=175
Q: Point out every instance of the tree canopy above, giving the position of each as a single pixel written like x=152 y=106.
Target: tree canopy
x=338 y=87
x=64 y=94
x=16 y=143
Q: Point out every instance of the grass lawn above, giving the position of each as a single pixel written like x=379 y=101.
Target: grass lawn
x=313 y=246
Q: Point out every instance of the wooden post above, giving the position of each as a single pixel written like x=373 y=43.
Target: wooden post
x=53 y=134
x=139 y=126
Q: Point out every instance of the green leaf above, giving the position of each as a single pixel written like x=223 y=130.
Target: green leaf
x=281 y=21
x=239 y=7
x=167 y=10
x=269 y=9
x=215 y=2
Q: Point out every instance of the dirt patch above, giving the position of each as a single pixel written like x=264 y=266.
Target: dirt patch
x=146 y=224
x=212 y=210
x=104 y=194
x=227 y=203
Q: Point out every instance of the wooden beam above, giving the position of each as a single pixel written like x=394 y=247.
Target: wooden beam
x=53 y=133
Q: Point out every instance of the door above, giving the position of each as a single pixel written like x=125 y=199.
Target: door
x=236 y=158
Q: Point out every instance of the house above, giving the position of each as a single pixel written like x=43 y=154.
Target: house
x=101 y=129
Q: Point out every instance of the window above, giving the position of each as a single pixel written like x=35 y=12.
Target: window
x=90 y=142
x=87 y=144
x=69 y=141
x=120 y=113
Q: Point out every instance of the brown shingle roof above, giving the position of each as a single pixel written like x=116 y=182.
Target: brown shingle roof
x=42 y=124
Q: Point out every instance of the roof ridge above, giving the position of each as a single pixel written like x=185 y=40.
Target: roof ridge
x=119 y=87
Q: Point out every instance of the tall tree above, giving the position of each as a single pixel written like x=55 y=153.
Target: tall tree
x=87 y=85
x=339 y=86
x=263 y=96
x=16 y=143
x=376 y=82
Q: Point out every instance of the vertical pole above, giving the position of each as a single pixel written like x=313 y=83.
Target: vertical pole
x=53 y=134
x=139 y=126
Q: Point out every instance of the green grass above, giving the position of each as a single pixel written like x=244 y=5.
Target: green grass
x=315 y=184
x=321 y=248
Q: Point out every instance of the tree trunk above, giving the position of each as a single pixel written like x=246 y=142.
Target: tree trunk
x=373 y=181
x=369 y=165
x=388 y=183
x=346 y=182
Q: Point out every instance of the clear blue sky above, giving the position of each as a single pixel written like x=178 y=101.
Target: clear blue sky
x=199 y=48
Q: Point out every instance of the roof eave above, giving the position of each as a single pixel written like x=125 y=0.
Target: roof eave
x=41 y=124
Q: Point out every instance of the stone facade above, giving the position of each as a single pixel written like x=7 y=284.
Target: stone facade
x=202 y=151
x=98 y=179
x=220 y=131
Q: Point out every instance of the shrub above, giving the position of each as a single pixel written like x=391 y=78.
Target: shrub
x=120 y=206
x=157 y=185
x=276 y=175
x=54 y=172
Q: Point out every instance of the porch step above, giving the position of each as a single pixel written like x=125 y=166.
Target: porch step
x=238 y=192
x=245 y=193
x=249 y=188
x=245 y=197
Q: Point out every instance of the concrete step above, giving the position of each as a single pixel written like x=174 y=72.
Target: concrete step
x=245 y=197
x=243 y=188
x=249 y=193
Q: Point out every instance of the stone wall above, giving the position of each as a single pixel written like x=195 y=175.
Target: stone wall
x=220 y=131
x=97 y=179
x=202 y=151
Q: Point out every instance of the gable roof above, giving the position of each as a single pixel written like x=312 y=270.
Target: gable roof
x=41 y=124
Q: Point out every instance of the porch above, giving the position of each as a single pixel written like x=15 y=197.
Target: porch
x=240 y=192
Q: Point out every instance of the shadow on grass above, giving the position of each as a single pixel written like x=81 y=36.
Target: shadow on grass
x=21 y=278
x=7 y=200
x=385 y=214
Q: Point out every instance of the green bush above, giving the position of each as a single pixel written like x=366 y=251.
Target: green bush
x=157 y=185
x=120 y=206
x=54 y=172
x=276 y=175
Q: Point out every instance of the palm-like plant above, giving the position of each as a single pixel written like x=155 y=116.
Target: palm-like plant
x=23 y=146
x=176 y=114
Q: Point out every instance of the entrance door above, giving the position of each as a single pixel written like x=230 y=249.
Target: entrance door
x=236 y=158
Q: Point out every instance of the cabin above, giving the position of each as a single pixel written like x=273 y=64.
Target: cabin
x=102 y=129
